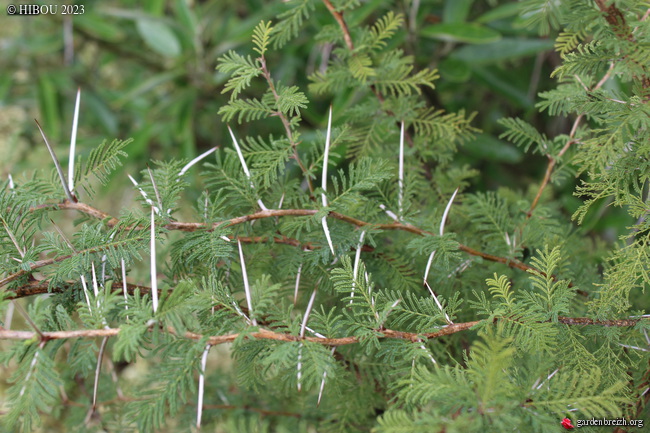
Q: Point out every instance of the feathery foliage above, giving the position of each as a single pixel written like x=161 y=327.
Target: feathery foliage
x=352 y=273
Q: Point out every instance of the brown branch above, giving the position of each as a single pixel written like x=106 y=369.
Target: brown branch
x=338 y=16
x=46 y=262
x=616 y=20
x=552 y=161
x=286 y=124
x=269 y=213
x=263 y=412
x=39 y=287
x=265 y=334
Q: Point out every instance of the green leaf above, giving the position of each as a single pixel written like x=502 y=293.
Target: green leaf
x=486 y=147
x=498 y=81
x=49 y=108
x=455 y=70
x=261 y=36
x=186 y=16
x=456 y=11
x=243 y=70
x=361 y=67
x=471 y=33
x=504 y=49
x=500 y=12
x=159 y=37
x=99 y=27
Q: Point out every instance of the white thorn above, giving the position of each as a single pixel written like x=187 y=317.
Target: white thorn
x=327 y=235
x=155 y=189
x=314 y=332
x=240 y=312
x=428 y=268
x=244 y=166
x=390 y=310
x=199 y=404
x=57 y=164
x=324 y=181
x=13 y=239
x=355 y=268
x=124 y=287
x=260 y=203
x=247 y=289
x=240 y=154
x=322 y=382
x=435 y=298
x=446 y=212
x=194 y=161
x=299 y=368
x=154 y=277
x=144 y=194
x=29 y=373
x=326 y=156
x=83 y=283
x=401 y=171
x=427 y=351
x=295 y=291
x=310 y=305
x=9 y=316
x=442 y=231
x=73 y=140
x=11 y=182
x=389 y=213
x=634 y=347
x=548 y=378
x=95 y=286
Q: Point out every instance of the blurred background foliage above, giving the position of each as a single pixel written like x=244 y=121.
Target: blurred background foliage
x=147 y=71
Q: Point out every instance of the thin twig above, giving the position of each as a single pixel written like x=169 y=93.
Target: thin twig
x=270 y=213
x=28 y=319
x=12 y=237
x=100 y=357
x=63 y=236
x=286 y=124
x=552 y=161
x=265 y=334
x=338 y=16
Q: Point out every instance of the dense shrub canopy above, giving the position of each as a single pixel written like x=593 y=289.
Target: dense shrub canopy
x=345 y=216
